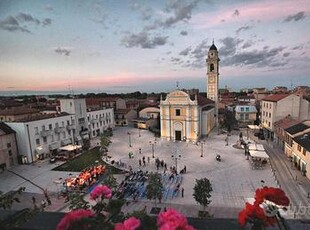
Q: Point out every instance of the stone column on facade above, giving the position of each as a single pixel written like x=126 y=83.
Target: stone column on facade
x=188 y=125
x=196 y=123
x=168 y=123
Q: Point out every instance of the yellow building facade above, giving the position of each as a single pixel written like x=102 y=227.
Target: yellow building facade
x=185 y=117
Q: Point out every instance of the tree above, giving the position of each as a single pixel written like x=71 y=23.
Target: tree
x=154 y=188
x=202 y=192
x=104 y=142
x=86 y=144
x=111 y=182
x=7 y=199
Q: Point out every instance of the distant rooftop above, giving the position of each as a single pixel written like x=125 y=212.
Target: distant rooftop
x=304 y=141
x=18 y=111
x=42 y=117
x=275 y=97
x=5 y=129
x=297 y=128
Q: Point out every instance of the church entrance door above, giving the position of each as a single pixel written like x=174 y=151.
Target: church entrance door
x=178 y=135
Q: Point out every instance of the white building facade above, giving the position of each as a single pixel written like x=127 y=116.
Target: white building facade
x=99 y=121
x=37 y=139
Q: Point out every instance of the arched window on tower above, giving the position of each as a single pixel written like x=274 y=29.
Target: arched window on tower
x=211 y=67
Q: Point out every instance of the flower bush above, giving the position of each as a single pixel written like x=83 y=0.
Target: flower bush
x=264 y=211
x=101 y=191
x=87 y=219
x=72 y=218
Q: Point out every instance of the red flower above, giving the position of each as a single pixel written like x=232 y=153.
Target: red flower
x=172 y=220
x=101 y=191
x=251 y=213
x=131 y=224
x=275 y=195
x=255 y=215
x=73 y=216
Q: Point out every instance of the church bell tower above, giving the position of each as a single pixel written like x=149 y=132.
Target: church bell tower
x=213 y=77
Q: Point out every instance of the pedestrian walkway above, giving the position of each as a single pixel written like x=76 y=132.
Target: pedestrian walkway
x=291 y=180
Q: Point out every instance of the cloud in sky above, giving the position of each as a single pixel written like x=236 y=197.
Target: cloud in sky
x=143 y=40
x=21 y=22
x=184 y=33
x=243 y=28
x=181 y=11
x=236 y=13
x=63 y=51
x=295 y=17
x=11 y=24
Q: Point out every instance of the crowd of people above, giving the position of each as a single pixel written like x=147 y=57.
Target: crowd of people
x=86 y=178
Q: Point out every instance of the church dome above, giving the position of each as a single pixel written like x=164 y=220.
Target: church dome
x=213 y=47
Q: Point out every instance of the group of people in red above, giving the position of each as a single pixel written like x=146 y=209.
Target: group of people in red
x=86 y=178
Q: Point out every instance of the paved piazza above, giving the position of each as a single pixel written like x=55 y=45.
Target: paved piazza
x=233 y=180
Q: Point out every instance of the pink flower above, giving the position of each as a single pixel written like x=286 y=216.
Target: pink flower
x=131 y=224
x=73 y=216
x=101 y=191
x=171 y=220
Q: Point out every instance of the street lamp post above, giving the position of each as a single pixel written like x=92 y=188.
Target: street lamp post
x=139 y=132
x=129 y=139
x=152 y=143
x=202 y=143
x=176 y=156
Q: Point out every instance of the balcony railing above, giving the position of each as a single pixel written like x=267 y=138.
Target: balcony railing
x=70 y=127
x=94 y=121
x=59 y=129
x=45 y=133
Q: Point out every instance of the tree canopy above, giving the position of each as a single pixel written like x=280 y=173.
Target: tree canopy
x=202 y=192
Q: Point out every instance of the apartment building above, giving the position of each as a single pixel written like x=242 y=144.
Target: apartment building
x=245 y=115
x=99 y=121
x=38 y=137
x=17 y=113
x=8 y=147
x=292 y=132
x=301 y=153
x=278 y=106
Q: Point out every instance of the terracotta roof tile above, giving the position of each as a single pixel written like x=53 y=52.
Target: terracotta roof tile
x=275 y=97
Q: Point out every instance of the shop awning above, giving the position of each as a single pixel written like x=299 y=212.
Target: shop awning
x=54 y=145
x=253 y=127
x=40 y=150
x=71 y=147
x=66 y=141
x=259 y=154
x=256 y=147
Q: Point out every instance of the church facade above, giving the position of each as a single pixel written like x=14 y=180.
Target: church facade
x=188 y=115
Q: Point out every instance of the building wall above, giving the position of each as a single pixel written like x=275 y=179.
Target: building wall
x=8 y=150
x=99 y=121
x=149 y=112
x=76 y=107
x=301 y=160
x=304 y=110
x=188 y=121
x=29 y=135
x=207 y=121
x=289 y=105
x=120 y=103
